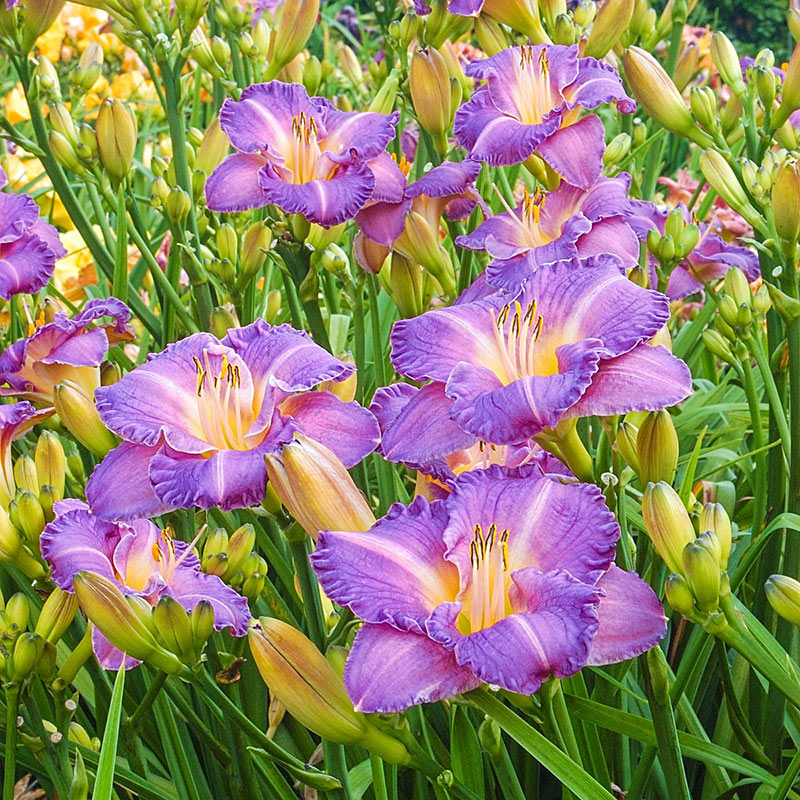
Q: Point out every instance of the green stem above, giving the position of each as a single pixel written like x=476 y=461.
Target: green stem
x=147 y=701
x=773 y=395
x=10 y=766
x=378 y=777
x=760 y=477
x=120 y=284
x=312 y=607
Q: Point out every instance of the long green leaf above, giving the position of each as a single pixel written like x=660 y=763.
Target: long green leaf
x=104 y=782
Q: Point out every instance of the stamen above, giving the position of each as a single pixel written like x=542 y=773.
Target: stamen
x=488 y=588
x=515 y=343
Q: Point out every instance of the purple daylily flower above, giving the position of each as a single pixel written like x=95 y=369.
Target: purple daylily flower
x=198 y=418
x=572 y=343
x=16 y=419
x=385 y=225
x=29 y=246
x=298 y=152
x=510 y=580
x=559 y=226
x=142 y=561
x=64 y=349
x=530 y=104
x=414 y=432
x=711 y=258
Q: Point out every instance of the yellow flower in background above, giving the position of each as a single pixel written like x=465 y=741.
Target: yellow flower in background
x=50 y=43
x=76 y=270
x=15 y=107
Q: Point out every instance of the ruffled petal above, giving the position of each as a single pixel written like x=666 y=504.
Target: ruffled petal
x=395 y=572
x=597 y=83
x=363 y=133
x=631 y=618
x=552 y=525
x=18 y=212
x=234 y=186
x=189 y=586
x=389 y=670
x=26 y=265
x=347 y=429
x=575 y=152
x=645 y=379
x=120 y=487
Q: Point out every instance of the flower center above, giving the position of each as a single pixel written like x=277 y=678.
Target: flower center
x=487 y=597
x=219 y=403
x=303 y=158
x=515 y=334
x=403 y=164
x=533 y=93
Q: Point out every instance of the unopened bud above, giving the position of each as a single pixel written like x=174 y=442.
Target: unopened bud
x=256 y=241
x=702 y=571
x=316 y=489
x=704 y=106
x=116 y=131
x=294 y=23
x=786 y=201
x=174 y=628
x=783 y=594
x=27 y=651
x=213 y=148
x=56 y=616
x=657 y=448
x=617 y=149
x=679 y=594
x=723 y=180
x=51 y=463
x=726 y=60
x=80 y=417
x=611 y=22
x=717 y=345
x=386 y=97
x=221 y=321
x=31 y=516
x=227 y=242
x=667 y=523
x=64 y=152
x=429 y=83
x=239 y=548
x=625 y=443
x=491 y=37
x=790 y=92
x=178 y=204
x=25 y=474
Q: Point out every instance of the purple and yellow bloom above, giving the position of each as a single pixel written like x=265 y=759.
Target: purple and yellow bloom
x=142 y=561
x=531 y=103
x=710 y=260
x=197 y=419
x=411 y=224
x=64 y=349
x=509 y=580
x=571 y=343
x=16 y=419
x=29 y=246
x=561 y=225
x=299 y=153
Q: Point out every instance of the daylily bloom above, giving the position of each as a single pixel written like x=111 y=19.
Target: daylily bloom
x=711 y=258
x=557 y=226
x=298 y=152
x=572 y=343
x=141 y=560
x=530 y=104
x=198 y=418
x=16 y=419
x=64 y=349
x=510 y=580
x=411 y=225
x=415 y=433
x=29 y=246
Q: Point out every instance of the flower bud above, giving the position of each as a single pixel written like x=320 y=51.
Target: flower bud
x=491 y=37
x=79 y=786
x=704 y=107
x=617 y=149
x=659 y=96
x=688 y=240
x=429 y=83
x=80 y=417
x=295 y=20
x=107 y=608
x=178 y=204
x=202 y=623
x=783 y=594
x=793 y=21
x=28 y=650
x=702 y=572
x=335 y=261
x=737 y=286
x=679 y=594
x=31 y=516
x=386 y=97
x=715 y=343
x=714 y=517
x=61 y=121
x=766 y=84
x=116 y=131
x=519 y=15
x=667 y=523
x=790 y=93
x=565 y=31
x=657 y=448
x=726 y=60
x=239 y=548
x=216 y=542
x=213 y=148
x=227 y=242
x=221 y=51
x=110 y=373
x=273 y=305
x=639 y=132
x=786 y=201
x=686 y=67
x=174 y=629
x=728 y=310
x=25 y=474
x=56 y=616
x=38 y=16
x=350 y=64
x=90 y=67
x=612 y=21
x=316 y=489
x=48 y=78
x=312 y=75
x=307 y=685
x=64 y=152
x=406 y=280
x=221 y=321
x=17 y=613
x=256 y=241
x=423 y=246
x=723 y=180
x=51 y=463
x=625 y=444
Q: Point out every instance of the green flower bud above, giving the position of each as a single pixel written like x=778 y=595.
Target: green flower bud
x=793 y=21
x=79 y=415
x=256 y=241
x=273 y=305
x=679 y=594
x=790 y=93
x=48 y=78
x=657 y=448
x=783 y=594
x=723 y=180
x=216 y=542
x=51 y=463
x=667 y=523
x=386 y=97
x=227 y=242
x=688 y=240
x=25 y=474
x=174 y=628
x=702 y=571
x=726 y=60
x=625 y=444
x=617 y=149
x=48 y=497
x=64 y=152
x=31 y=516
x=406 y=280
x=737 y=286
x=28 y=650
x=79 y=787
x=202 y=624
x=335 y=261
x=429 y=84
x=612 y=21
x=116 y=131
x=761 y=300
x=216 y=564
x=765 y=82
x=212 y=149
x=17 y=613
x=221 y=321
x=714 y=517
x=786 y=201
x=491 y=37
x=674 y=224
x=709 y=540
x=56 y=616
x=703 y=102
x=639 y=132
x=178 y=204
x=728 y=310
x=312 y=75
x=61 y=121
x=239 y=548
x=110 y=373
x=565 y=32
x=221 y=51
x=294 y=23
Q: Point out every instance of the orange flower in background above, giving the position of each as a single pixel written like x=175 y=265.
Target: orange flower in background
x=76 y=270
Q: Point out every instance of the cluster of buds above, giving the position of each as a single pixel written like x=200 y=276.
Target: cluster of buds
x=721 y=177
x=165 y=636
x=435 y=95
x=27 y=494
x=408 y=284
x=90 y=66
x=316 y=489
x=73 y=146
x=698 y=582
x=24 y=652
x=21 y=25
x=233 y=560
x=238 y=265
x=311 y=690
x=678 y=241
x=617 y=149
x=211 y=55
x=76 y=409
